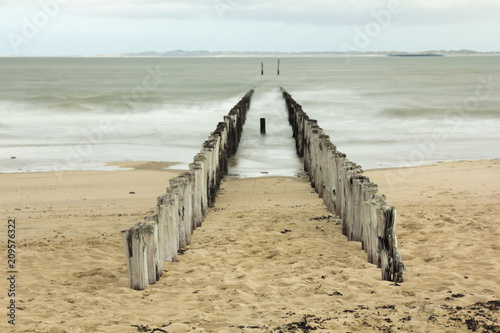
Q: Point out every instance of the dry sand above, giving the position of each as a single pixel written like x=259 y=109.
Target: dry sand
x=266 y=258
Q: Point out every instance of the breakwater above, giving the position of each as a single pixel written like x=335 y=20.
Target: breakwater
x=185 y=204
x=365 y=215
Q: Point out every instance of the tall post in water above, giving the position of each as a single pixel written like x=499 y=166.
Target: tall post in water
x=278 y=66
x=262 y=68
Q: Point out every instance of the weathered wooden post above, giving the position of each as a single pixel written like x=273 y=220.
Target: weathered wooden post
x=177 y=187
x=203 y=161
x=170 y=204
x=396 y=266
x=159 y=241
x=213 y=147
x=197 y=168
x=162 y=231
x=369 y=226
x=340 y=159
x=135 y=250
x=189 y=177
x=278 y=66
x=262 y=68
x=262 y=125
x=329 y=192
x=155 y=265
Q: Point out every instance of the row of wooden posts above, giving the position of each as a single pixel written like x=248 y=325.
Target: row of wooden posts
x=184 y=205
x=365 y=215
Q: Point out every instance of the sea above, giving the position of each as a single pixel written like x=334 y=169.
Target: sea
x=80 y=113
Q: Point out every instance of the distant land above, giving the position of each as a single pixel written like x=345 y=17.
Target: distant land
x=221 y=54
x=181 y=53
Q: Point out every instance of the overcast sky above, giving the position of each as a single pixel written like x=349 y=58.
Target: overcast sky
x=90 y=27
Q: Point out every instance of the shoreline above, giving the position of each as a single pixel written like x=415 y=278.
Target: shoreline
x=432 y=163
x=170 y=166
x=243 y=268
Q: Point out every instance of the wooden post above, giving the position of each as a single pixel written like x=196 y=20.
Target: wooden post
x=159 y=241
x=262 y=68
x=161 y=220
x=135 y=251
x=340 y=159
x=150 y=231
x=262 y=125
x=370 y=239
x=197 y=169
x=278 y=66
x=201 y=159
x=330 y=195
x=177 y=187
x=396 y=266
x=189 y=177
x=169 y=206
x=182 y=185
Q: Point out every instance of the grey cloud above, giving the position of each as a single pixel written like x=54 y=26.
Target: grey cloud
x=311 y=12
x=357 y=12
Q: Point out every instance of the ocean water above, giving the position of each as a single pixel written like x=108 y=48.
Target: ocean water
x=80 y=113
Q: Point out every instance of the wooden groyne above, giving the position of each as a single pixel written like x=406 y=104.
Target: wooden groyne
x=365 y=215
x=184 y=205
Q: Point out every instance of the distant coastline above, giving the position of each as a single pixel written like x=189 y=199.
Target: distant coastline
x=182 y=53
x=415 y=55
x=250 y=54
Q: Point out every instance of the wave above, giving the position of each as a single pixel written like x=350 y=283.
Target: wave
x=119 y=102
x=437 y=112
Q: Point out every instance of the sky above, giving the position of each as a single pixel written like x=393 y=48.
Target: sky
x=97 y=27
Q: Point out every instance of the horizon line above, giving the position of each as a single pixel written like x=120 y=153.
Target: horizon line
x=205 y=53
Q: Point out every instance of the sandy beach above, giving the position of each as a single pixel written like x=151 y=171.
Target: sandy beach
x=268 y=257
